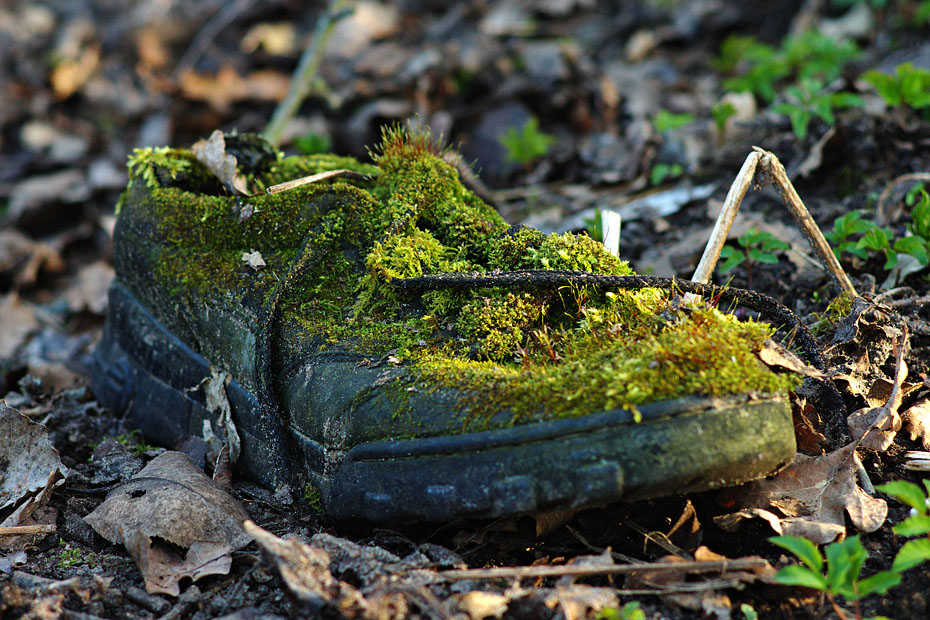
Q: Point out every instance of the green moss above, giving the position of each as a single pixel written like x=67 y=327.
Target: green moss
x=314 y=498
x=539 y=354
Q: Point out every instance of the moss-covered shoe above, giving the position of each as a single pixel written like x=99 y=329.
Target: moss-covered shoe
x=399 y=351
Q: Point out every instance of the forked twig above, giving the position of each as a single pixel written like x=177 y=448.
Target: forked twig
x=761 y=165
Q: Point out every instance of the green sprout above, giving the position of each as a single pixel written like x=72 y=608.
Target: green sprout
x=844 y=561
x=662 y=171
x=665 y=121
x=844 y=228
x=527 y=144
x=808 y=99
x=630 y=611
x=721 y=112
x=754 y=247
x=913 y=552
x=313 y=143
x=909 y=86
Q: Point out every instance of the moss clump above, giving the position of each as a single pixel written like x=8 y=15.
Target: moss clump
x=537 y=353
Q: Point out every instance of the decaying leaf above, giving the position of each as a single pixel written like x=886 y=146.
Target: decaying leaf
x=774 y=354
x=917 y=421
x=254 y=260
x=228 y=87
x=212 y=154
x=171 y=504
x=18 y=322
x=876 y=427
x=811 y=497
x=27 y=457
x=478 y=604
x=89 y=291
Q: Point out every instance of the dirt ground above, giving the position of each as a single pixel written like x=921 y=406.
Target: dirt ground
x=84 y=83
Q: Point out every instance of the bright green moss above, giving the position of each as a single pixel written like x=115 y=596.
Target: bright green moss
x=539 y=353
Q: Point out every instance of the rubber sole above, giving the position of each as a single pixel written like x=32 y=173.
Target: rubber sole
x=676 y=447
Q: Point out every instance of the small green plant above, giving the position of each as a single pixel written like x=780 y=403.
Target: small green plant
x=663 y=171
x=808 y=99
x=748 y=611
x=74 y=556
x=908 y=86
x=844 y=228
x=913 y=552
x=630 y=611
x=721 y=113
x=879 y=240
x=313 y=143
x=314 y=498
x=667 y=121
x=527 y=144
x=844 y=562
x=754 y=247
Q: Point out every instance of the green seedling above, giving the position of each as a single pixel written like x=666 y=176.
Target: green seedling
x=841 y=580
x=721 y=112
x=808 y=99
x=527 y=144
x=845 y=228
x=74 y=556
x=878 y=239
x=313 y=144
x=630 y=611
x=754 y=247
x=749 y=612
x=913 y=552
x=662 y=172
x=665 y=121
x=812 y=55
x=909 y=86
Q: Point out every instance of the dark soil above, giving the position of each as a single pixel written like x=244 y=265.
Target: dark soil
x=83 y=83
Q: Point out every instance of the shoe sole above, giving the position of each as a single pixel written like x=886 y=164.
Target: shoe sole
x=677 y=446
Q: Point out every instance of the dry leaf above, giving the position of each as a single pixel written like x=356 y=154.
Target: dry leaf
x=18 y=322
x=70 y=75
x=580 y=601
x=254 y=260
x=212 y=154
x=917 y=421
x=278 y=39
x=479 y=605
x=89 y=291
x=27 y=457
x=171 y=501
x=876 y=427
x=227 y=87
x=774 y=354
x=305 y=571
x=811 y=497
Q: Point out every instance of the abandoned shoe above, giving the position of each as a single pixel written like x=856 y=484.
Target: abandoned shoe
x=381 y=339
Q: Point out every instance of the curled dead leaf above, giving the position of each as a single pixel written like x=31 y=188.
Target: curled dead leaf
x=212 y=154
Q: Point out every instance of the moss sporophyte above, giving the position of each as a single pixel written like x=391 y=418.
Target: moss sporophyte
x=534 y=353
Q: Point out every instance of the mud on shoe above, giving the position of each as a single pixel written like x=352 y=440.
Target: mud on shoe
x=389 y=344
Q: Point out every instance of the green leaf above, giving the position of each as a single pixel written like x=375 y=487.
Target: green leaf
x=912 y=553
x=761 y=256
x=721 y=112
x=666 y=121
x=918 y=525
x=749 y=613
x=805 y=550
x=907 y=493
x=733 y=258
x=879 y=583
x=526 y=144
x=844 y=563
x=915 y=246
x=797 y=575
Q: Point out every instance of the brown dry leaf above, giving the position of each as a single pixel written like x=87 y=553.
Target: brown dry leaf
x=876 y=427
x=89 y=290
x=277 y=39
x=18 y=322
x=172 y=503
x=479 y=605
x=580 y=601
x=212 y=154
x=28 y=461
x=220 y=91
x=774 y=354
x=254 y=260
x=70 y=75
x=305 y=571
x=27 y=258
x=917 y=421
x=811 y=497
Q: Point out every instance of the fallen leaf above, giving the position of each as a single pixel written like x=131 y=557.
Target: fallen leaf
x=876 y=427
x=277 y=39
x=220 y=91
x=171 y=504
x=18 y=322
x=27 y=457
x=304 y=569
x=88 y=292
x=254 y=260
x=580 y=601
x=917 y=421
x=70 y=75
x=811 y=497
x=479 y=605
x=212 y=154
x=774 y=354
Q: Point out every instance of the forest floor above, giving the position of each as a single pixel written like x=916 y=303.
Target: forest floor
x=566 y=108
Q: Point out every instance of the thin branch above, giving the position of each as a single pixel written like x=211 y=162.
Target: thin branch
x=304 y=79
x=316 y=178
x=572 y=570
x=18 y=530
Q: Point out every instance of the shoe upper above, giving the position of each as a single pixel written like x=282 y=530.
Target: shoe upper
x=351 y=357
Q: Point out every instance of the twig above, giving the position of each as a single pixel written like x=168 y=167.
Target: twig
x=303 y=81
x=886 y=193
x=571 y=570
x=17 y=530
x=316 y=178
x=724 y=221
x=213 y=27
